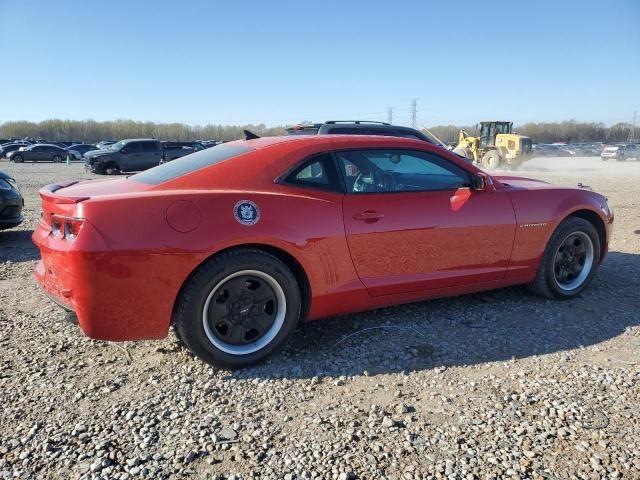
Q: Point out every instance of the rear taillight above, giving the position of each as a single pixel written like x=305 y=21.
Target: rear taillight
x=65 y=227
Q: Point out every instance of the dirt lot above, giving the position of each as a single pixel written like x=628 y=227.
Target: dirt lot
x=494 y=385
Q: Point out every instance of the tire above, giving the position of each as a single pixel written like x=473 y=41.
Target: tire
x=227 y=282
x=17 y=159
x=549 y=282
x=491 y=160
x=620 y=158
x=57 y=159
x=111 y=169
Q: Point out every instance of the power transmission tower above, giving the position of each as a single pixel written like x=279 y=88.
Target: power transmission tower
x=632 y=130
x=390 y=115
x=414 y=113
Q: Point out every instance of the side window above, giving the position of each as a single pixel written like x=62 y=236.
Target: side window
x=132 y=147
x=380 y=171
x=147 y=147
x=315 y=172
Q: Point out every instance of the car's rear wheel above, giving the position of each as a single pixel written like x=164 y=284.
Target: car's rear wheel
x=491 y=160
x=570 y=260
x=17 y=159
x=238 y=308
x=57 y=159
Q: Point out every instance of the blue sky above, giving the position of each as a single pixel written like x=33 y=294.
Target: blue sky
x=202 y=62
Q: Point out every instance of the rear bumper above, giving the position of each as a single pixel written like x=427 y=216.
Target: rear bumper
x=11 y=211
x=116 y=295
x=10 y=222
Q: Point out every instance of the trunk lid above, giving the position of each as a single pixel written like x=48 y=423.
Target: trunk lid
x=66 y=198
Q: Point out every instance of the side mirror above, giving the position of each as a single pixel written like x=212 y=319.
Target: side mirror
x=124 y=150
x=481 y=182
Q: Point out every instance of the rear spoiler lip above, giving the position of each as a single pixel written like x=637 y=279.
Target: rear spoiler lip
x=48 y=192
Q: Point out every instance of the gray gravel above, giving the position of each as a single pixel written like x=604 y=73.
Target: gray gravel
x=486 y=386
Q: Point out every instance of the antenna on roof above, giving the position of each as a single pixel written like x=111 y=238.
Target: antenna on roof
x=249 y=135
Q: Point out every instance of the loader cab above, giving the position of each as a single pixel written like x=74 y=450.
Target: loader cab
x=489 y=130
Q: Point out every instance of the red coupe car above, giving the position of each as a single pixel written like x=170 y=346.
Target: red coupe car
x=237 y=244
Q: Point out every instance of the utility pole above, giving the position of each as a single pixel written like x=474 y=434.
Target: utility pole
x=390 y=115
x=414 y=113
x=632 y=130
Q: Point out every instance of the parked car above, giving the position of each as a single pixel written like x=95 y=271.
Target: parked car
x=104 y=144
x=173 y=150
x=24 y=143
x=210 y=143
x=545 y=150
x=10 y=147
x=11 y=202
x=39 y=153
x=620 y=152
x=131 y=155
x=357 y=127
x=237 y=244
x=83 y=148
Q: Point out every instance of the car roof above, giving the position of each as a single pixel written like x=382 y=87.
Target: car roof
x=329 y=139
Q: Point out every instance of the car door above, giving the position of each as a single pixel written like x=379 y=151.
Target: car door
x=413 y=223
x=151 y=154
x=39 y=153
x=130 y=158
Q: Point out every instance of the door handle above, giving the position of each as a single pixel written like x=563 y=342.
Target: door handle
x=368 y=216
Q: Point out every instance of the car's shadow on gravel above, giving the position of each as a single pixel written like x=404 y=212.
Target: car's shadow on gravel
x=16 y=246
x=474 y=329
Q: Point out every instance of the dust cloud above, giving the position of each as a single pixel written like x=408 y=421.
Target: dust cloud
x=579 y=167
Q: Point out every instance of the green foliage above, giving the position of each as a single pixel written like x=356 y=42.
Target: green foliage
x=90 y=131
x=568 y=131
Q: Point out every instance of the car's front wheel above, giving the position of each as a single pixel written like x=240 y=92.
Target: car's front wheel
x=570 y=260
x=238 y=308
x=17 y=159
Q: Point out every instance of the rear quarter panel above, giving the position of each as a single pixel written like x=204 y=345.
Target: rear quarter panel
x=306 y=224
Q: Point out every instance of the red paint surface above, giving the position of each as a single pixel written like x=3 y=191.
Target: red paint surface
x=139 y=243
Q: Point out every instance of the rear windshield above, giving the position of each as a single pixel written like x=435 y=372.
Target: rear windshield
x=190 y=163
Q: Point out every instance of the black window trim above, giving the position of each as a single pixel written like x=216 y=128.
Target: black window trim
x=335 y=186
x=364 y=149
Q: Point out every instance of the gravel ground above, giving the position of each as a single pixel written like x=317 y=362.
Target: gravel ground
x=485 y=386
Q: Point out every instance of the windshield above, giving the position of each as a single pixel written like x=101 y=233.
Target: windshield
x=502 y=127
x=115 y=146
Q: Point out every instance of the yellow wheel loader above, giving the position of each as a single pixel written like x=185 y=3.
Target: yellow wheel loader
x=496 y=147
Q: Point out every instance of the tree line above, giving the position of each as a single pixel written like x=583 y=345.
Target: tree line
x=91 y=131
x=568 y=131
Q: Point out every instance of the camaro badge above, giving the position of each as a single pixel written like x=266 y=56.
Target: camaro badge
x=246 y=212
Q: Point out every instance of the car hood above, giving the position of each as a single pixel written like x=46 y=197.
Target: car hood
x=5 y=175
x=101 y=188
x=97 y=153
x=523 y=183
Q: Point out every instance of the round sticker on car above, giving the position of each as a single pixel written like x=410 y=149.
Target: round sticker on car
x=246 y=212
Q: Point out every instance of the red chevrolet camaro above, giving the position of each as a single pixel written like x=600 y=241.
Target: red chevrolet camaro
x=237 y=244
